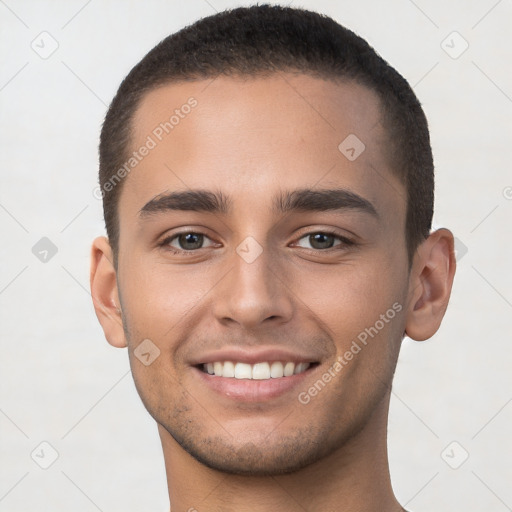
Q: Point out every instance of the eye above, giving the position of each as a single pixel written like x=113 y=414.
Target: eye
x=187 y=241
x=321 y=240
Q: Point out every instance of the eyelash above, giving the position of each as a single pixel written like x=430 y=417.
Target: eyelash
x=344 y=241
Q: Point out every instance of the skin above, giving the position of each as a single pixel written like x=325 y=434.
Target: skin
x=251 y=139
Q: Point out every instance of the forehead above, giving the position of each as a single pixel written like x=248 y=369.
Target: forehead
x=288 y=104
x=244 y=135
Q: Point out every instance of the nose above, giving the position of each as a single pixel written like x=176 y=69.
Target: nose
x=254 y=292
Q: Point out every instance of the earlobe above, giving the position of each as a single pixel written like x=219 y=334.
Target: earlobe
x=104 y=292
x=430 y=284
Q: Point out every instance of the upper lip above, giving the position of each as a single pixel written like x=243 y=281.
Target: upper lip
x=254 y=356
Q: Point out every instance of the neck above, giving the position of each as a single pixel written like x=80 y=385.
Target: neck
x=353 y=478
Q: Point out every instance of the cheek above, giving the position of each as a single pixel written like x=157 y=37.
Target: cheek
x=353 y=297
x=158 y=298
x=158 y=302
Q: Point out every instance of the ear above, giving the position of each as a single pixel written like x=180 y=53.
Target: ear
x=430 y=285
x=104 y=292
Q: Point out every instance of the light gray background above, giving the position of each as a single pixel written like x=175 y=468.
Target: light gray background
x=63 y=384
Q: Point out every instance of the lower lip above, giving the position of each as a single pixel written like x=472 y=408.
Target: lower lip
x=252 y=390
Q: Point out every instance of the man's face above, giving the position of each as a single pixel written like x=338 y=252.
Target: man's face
x=258 y=282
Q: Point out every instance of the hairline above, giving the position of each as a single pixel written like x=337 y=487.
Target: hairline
x=384 y=112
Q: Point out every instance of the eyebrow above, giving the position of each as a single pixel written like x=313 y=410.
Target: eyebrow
x=299 y=200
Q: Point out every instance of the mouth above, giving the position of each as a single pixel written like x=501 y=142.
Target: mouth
x=258 y=383
x=264 y=370
x=260 y=374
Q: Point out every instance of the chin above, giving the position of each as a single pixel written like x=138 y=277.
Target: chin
x=270 y=456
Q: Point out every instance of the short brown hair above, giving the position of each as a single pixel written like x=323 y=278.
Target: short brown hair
x=260 y=40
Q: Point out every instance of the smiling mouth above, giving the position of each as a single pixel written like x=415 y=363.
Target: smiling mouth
x=258 y=371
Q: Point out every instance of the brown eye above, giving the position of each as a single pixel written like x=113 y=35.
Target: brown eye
x=321 y=240
x=190 y=241
x=186 y=241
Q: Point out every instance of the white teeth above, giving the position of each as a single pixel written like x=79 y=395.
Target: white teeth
x=288 y=369
x=228 y=370
x=243 y=371
x=301 y=367
x=261 y=371
x=258 y=371
x=217 y=368
x=276 y=370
